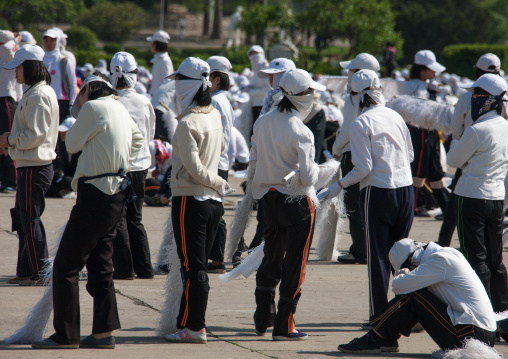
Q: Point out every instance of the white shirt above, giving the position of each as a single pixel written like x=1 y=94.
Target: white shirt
x=238 y=148
x=449 y=276
x=227 y=116
x=258 y=87
x=8 y=85
x=281 y=143
x=141 y=111
x=482 y=153
x=53 y=66
x=342 y=141
x=162 y=68
x=381 y=150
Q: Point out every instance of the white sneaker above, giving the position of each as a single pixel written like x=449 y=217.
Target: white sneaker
x=187 y=336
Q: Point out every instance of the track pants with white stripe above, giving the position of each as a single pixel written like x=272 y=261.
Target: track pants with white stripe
x=388 y=216
x=401 y=314
x=195 y=225
x=289 y=228
x=33 y=182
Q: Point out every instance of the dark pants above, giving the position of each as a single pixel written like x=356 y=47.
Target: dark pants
x=33 y=182
x=480 y=230
x=219 y=243
x=87 y=240
x=131 y=248
x=165 y=188
x=317 y=125
x=450 y=217
x=289 y=228
x=62 y=160
x=195 y=226
x=401 y=314
x=161 y=130
x=7 y=166
x=351 y=200
x=388 y=216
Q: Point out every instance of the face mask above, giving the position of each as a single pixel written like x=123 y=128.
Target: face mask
x=350 y=74
x=276 y=79
x=481 y=104
x=257 y=60
x=303 y=104
x=185 y=90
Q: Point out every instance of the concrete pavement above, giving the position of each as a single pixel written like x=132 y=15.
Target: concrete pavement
x=333 y=304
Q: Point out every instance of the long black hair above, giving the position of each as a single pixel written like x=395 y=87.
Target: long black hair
x=224 y=79
x=35 y=71
x=202 y=97
x=97 y=89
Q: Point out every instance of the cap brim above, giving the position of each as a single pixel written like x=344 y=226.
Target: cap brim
x=149 y=38
x=317 y=86
x=173 y=75
x=470 y=87
x=12 y=65
x=62 y=128
x=437 y=67
x=272 y=71
x=345 y=64
x=76 y=107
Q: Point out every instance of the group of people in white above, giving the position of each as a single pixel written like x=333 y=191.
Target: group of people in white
x=193 y=127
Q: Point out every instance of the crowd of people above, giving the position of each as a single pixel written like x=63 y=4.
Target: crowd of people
x=118 y=138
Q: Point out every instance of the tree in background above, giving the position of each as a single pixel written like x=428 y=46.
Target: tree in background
x=28 y=12
x=217 y=21
x=434 y=24
x=113 y=21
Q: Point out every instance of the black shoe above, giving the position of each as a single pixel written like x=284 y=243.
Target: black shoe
x=219 y=268
x=423 y=214
x=104 y=343
x=439 y=217
x=366 y=326
x=261 y=331
x=370 y=343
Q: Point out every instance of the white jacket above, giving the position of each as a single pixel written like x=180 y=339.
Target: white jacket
x=342 y=141
x=482 y=153
x=381 y=150
x=258 y=87
x=221 y=103
x=449 y=276
x=8 y=85
x=281 y=143
x=162 y=68
x=141 y=111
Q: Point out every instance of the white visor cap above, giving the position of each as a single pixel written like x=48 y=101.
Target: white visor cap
x=360 y=62
x=400 y=252
x=276 y=66
x=489 y=63
x=428 y=59
x=26 y=52
x=365 y=79
x=51 y=33
x=296 y=81
x=219 y=64
x=493 y=84
x=161 y=36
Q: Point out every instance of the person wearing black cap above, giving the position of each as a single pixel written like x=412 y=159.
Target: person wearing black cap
x=436 y=287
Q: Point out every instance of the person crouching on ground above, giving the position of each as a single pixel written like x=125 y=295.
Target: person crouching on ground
x=197 y=193
x=109 y=140
x=436 y=287
x=281 y=143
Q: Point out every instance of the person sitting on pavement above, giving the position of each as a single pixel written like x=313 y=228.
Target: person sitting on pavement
x=436 y=287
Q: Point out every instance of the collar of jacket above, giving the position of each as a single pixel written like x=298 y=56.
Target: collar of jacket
x=196 y=109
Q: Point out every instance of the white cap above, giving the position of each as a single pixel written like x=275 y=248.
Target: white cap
x=51 y=33
x=361 y=61
x=6 y=35
x=489 y=63
x=88 y=67
x=27 y=38
x=404 y=73
x=427 y=58
x=192 y=67
x=493 y=84
x=26 y=52
x=60 y=32
x=66 y=124
x=401 y=251
x=365 y=79
x=124 y=60
x=256 y=48
x=244 y=97
x=219 y=64
x=76 y=107
x=296 y=81
x=279 y=65
x=161 y=36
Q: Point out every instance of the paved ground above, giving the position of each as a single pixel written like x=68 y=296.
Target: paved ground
x=333 y=304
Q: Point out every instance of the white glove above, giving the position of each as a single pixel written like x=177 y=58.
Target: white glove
x=402 y=271
x=226 y=189
x=334 y=190
x=433 y=85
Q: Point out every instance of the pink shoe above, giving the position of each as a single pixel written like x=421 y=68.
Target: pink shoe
x=187 y=336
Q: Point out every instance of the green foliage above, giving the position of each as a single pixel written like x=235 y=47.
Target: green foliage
x=434 y=24
x=460 y=59
x=28 y=12
x=112 y=47
x=112 y=21
x=81 y=38
x=83 y=56
x=259 y=17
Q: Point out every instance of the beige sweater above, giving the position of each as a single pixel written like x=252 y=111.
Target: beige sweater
x=35 y=127
x=197 y=145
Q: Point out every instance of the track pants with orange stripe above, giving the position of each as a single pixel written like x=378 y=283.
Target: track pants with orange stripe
x=33 y=182
x=404 y=311
x=195 y=225
x=289 y=228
